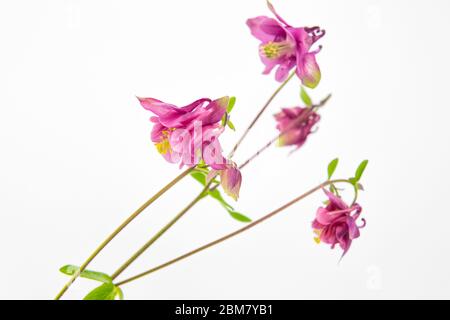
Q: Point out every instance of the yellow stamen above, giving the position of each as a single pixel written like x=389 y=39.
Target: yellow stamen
x=273 y=50
x=317 y=239
x=164 y=145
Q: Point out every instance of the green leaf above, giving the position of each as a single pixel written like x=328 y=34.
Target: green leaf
x=218 y=196
x=239 y=216
x=359 y=172
x=231 y=125
x=332 y=167
x=231 y=104
x=305 y=97
x=106 y=291
x=70 y=270
x=200 y=177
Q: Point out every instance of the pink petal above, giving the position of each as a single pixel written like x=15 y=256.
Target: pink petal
x=308 y=70
x=231 y=180
x=335 y=200
x=264 y=28
x=283 y=70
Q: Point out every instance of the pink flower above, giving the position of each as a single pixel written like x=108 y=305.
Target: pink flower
x=230 y=179
x=287 y=47
x=336 y=224
x=190 y=133
x=295 y=124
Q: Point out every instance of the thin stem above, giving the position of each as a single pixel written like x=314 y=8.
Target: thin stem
x=119 y=229
x=233 y=234
x=260 y=114
x=160 y=233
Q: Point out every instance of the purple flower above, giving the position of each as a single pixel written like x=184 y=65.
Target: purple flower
x=336 y=223
x=295 y=124
x=287 y=47
x=190 y=133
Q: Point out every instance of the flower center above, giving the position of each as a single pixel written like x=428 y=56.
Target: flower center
x=273 y=50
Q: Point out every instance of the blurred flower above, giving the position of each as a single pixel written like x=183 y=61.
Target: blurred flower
x=335 y=224
x=190 y=133
x=287 y=47
x=295 y=124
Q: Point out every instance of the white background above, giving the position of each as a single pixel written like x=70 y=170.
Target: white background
x=76 y=157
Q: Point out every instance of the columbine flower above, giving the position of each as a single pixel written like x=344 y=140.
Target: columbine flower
x=295 y=124
x=336 y=223
x=188 y=134
x=287 y=47
x=230 y=179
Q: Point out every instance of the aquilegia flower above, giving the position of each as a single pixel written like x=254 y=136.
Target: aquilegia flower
x=336 y=223
x=287 y=47
x=188 y=134
x=295 y=125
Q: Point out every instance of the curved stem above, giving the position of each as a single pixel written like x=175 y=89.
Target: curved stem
x=160 y=233
x=260 y=114
x=233 y=234
x=119 y=229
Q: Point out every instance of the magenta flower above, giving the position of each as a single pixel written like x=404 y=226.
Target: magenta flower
x=287 y=47
x=230 y=179
x=296 y=125
x=335 y=224
x=188 y=134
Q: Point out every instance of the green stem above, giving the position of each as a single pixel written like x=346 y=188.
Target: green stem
x=160 y=232
x=232 y=234
x=260 y=114
x=119 y=229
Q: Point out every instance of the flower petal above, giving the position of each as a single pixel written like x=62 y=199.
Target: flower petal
x=308 y=70
x=283 y=69
x=265 y=29
x=231 y=180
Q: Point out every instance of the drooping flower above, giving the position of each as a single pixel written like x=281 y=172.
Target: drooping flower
x=295 y=125
x=336 y=223
x=287 y=47
x=190 y=133
x=230 y=179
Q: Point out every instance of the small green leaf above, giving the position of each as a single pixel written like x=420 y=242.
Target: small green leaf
x=359 y=172
x=231 y=104
x=106 y=291
x=218 y=196
x=231 y=125
x=200 y=177
x=305 y=97
x=332 y=167
x=239 y=216
x=70 y=270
